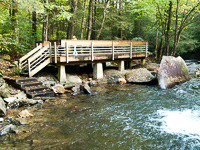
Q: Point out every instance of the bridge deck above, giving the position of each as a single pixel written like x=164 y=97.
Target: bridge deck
x=68 y=52
x=71 y=51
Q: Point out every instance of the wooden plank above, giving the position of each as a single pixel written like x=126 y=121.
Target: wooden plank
x=146 y=50
x=92 y=51
x=50 y=52
x=131 y=49
x=30 y=53
x=38 y=53
x=67 y=55
x=29 y=68
x=101 y=42
x=113 y=51
x=40 y=67
x=55 y=52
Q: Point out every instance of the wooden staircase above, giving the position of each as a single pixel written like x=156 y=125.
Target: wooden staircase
x=31 y=86
x=35 y=60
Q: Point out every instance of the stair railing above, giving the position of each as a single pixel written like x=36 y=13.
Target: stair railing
x=36 y=61
x=23 y=61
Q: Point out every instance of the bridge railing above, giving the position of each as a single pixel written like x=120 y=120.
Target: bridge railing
x=92 y=48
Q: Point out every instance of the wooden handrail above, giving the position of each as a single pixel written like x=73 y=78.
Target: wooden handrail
x=30 y=53
x=38 y=53
x=101 y=42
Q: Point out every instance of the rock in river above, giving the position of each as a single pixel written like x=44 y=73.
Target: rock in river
x=140 y=75
x=172 y=71
x=6 y=129
x=58 y=88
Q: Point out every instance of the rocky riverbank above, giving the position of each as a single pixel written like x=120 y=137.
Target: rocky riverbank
x=19 y=114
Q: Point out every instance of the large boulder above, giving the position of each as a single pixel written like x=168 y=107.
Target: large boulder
x=140 y=75
x=4 y=92
x=2 y=107
x=73 y=79
x=172 y=71
x=113 y=76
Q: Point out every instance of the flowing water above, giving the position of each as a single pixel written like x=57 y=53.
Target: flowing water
x=118 y=117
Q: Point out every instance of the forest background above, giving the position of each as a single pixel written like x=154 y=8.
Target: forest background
x=172 y=27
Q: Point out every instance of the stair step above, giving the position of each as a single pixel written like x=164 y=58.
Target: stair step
x=40 y=94
x=30 y=84
x=34 y=88
x=19 y=81
x=24 y=73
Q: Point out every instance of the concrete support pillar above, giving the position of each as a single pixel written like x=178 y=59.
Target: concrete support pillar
x=121 y=66
x=62 y=74
x=143 y=61
x=98 y=71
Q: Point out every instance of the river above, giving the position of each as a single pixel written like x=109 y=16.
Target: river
x=121 y=117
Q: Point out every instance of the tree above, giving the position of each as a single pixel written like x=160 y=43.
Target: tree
x=185 y=13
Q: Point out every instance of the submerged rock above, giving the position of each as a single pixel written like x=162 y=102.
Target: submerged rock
x=140 y=75
x=25 y=114
x=84 y=88
x=7 y=129
x=172 y=71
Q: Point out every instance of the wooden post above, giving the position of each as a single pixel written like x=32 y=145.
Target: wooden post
x=36 y=44
x=50 y=52
x=131 y=51
x=113 y=51
x=67 y=52
x=55 y=52
x=92 y=51
x=29 y=68
x=146 y=49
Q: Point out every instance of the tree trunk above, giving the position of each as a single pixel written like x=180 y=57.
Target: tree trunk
x=156 y=48
x=34 y=25
x=72 y=20
x=120 y=14
x=90 y=20
x=45 y=26
x=83 y=18
x=102 y=23
x=168 y=28
x=162 y=41
x=93 y=34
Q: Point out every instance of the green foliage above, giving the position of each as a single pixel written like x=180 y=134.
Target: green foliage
x=135 y=19
x=137 y=39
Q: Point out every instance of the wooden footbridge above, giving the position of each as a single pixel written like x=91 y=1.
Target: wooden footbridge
x=70 y=52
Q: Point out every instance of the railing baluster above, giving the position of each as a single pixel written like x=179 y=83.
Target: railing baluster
x=92 y=51
x=131 y=51
x=29 y=68
x=55 y=52
x=67 y=52
x=113 y=51
x=146 y=49
x=50 y=52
